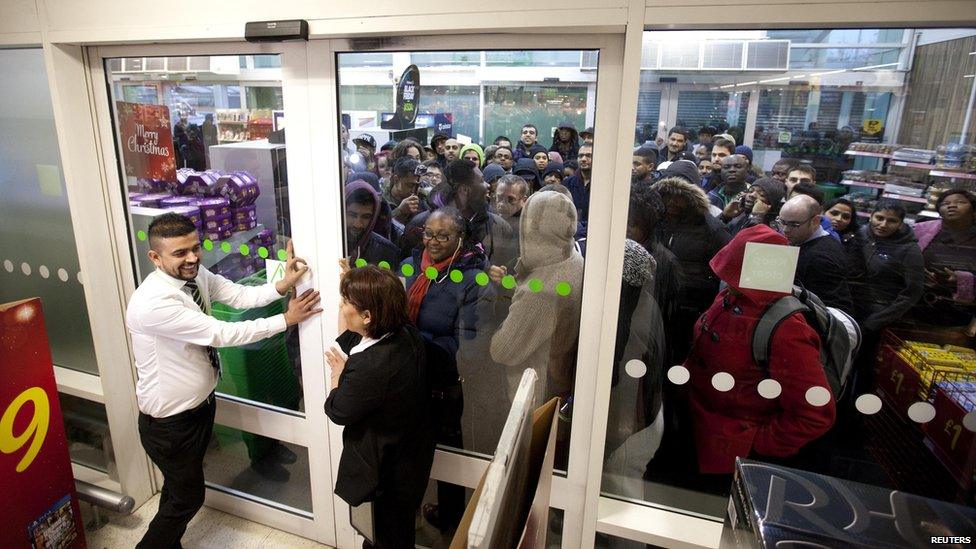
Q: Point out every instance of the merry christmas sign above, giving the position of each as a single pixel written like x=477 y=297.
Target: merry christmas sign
x=147 y=141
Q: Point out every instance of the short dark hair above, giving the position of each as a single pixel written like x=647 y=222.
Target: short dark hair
x=854 y=224
x=805 y=168
x=433 y=163
x=946 y=194
x=405 y=166
x=361 y=196
x=707 y=130
x=681 y=130
x=791 y=163
x=531 y=126
x=380 y=292
x=511 y=179
x=810 y=190
x=400 y=150
x=725 y=144
x=501 y=138
x=169 y=225
x=890 y=204
x=646 y=208
x=460 y=172
x=647 y=153
x=506 y=147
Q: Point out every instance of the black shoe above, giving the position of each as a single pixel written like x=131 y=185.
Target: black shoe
x=270 y=470
x=282 y=454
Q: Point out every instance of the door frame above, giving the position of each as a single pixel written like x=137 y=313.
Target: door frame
x=295 y=428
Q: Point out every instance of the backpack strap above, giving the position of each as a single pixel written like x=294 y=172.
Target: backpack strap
x=772 y=317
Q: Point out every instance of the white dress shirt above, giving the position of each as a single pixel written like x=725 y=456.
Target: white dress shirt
x=170 y=336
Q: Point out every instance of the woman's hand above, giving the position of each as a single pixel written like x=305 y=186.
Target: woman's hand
x=497 y=273
x=337 y=361
x=761 y=207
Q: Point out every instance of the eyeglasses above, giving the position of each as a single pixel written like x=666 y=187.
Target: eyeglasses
x=442 y=238
x=793 y=224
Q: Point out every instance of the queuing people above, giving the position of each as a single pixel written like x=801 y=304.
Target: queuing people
x=721 y=149
x=511 y=194
x=366 y=148
x=472 y=153
x=447 y=314
x=587 y=135
x=174 y=342
x=384 y=167
x=565 y=141
x=541 y=158
x=705 y=169
x=491 y=174
x=363 y=207
x=437 y=145
x=555 y=157
x=544 y=324
x=503 y=141
x=380 y=396
x=694 y=236
x=739 y=422
x=802 y=173
x=401 y=195
x=527 y=140
x=754 y=172
x=409 y=148
x=579 y=185
x=434 y=175
x=465 y=189
x=816 y=193
x=781 y=169
x=645 y=160
x=822 y=267
x=504 y=158
x=490 y=151
x=678 y=140
x=701 y=152
x=706 y=134
x=842 y=214
x=758 y=206
x=645 y=215
x=553 y=175
x=734 y=172
x=948 y=247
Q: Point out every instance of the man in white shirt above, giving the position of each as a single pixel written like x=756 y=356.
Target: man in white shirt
x=174 y=340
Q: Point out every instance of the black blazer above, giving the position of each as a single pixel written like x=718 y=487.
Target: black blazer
x=382 y=400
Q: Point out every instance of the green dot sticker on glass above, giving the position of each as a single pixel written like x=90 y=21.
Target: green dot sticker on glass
x=457 y=276
x=208 y=244
x=563 y=289
x=361 y=262
x=141 y=235
x=383 y=265
x=535 y=285
x=263 y=252
x=282 y=255
x=431 y=272
x=482 y=279
x=407 y=269
x=508 y=282
x=244 y=249
x=225 y=247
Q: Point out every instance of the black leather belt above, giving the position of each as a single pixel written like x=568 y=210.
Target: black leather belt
x=182 y=415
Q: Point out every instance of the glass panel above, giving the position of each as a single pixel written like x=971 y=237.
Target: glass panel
x=523 y=58
x=38 y=254
x=437 y=58
x=258 y=467
x=688 y=395
x=89 y=440
x=479 y=327
x=206 y=156
x=648 y=115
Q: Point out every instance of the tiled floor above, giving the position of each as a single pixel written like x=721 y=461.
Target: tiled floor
x=210 y=528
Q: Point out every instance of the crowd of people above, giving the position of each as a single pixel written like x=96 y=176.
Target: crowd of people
x=696 y=200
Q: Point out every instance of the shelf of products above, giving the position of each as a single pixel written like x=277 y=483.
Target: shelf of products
x=947 y=173
x=906 y=198
x=850 y=183
x=869 y=154
x=914 y=165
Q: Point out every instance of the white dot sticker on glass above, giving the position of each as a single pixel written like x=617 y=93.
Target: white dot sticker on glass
x=723 y=381
x=43 y=271
x=818 y=396
x=25 y=268
x=868 y=404
x=969 y=421
x=635 y=368
x=679 y=375
x=769 y=388
x=81 y=279
x=8 y=265
x=921 y=412
x=62 y=275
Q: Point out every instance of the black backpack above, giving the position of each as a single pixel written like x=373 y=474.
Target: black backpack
x=840 y=336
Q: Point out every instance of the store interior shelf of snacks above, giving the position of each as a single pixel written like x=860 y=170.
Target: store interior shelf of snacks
x=850 y=183
x=906 y=198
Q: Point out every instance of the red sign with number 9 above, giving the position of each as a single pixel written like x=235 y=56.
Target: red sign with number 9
x=35 y=469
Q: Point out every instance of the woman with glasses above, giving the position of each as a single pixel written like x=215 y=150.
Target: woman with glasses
x=447 y=305
x=380 y=395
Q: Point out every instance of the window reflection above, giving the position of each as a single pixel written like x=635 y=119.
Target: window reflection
x=821 y=157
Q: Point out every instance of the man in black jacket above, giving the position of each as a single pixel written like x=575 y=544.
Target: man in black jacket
x=822 y=267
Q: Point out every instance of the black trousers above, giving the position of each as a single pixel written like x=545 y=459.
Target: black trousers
x=177 y=445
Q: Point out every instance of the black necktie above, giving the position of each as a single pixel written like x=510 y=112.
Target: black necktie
x=191 y=285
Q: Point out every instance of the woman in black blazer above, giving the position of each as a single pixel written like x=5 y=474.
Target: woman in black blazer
x=380 y=395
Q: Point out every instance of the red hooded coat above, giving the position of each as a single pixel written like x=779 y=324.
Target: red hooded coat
x=740 y=422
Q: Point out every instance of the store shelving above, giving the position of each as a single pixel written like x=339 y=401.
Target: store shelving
x=905 y=197
x=949 y=173
x=865 y=153
x=851 y=183
x=217 y=254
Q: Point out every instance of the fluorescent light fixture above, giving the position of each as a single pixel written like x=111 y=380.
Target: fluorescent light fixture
x=747 y=83
x=782 y=79
x=970 y=76
x=828 y=72
x=874 y=67
x=727 y=86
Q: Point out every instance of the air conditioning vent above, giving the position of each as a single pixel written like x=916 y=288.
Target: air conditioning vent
x=768 y=55
x=722 y=55
x=679 y=56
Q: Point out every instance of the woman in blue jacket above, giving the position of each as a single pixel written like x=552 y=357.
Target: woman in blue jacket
x=449 y=307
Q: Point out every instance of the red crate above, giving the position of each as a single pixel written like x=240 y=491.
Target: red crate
x=898 y=382
x=946 y=436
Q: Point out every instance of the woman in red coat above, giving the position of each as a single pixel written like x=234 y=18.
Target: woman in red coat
x=738 y=421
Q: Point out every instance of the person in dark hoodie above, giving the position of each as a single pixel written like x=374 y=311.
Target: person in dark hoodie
x=643 y=171
x=437 y=144
x=528 y=139
x=685 y=169
x=579 y=186
x=526 y=169
x=553 y=174
x=759 y=206
x=694 y=236
x=565 y=141
x=449 y=314
x=464 y=188
x=363 y=206
x=739 y=421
